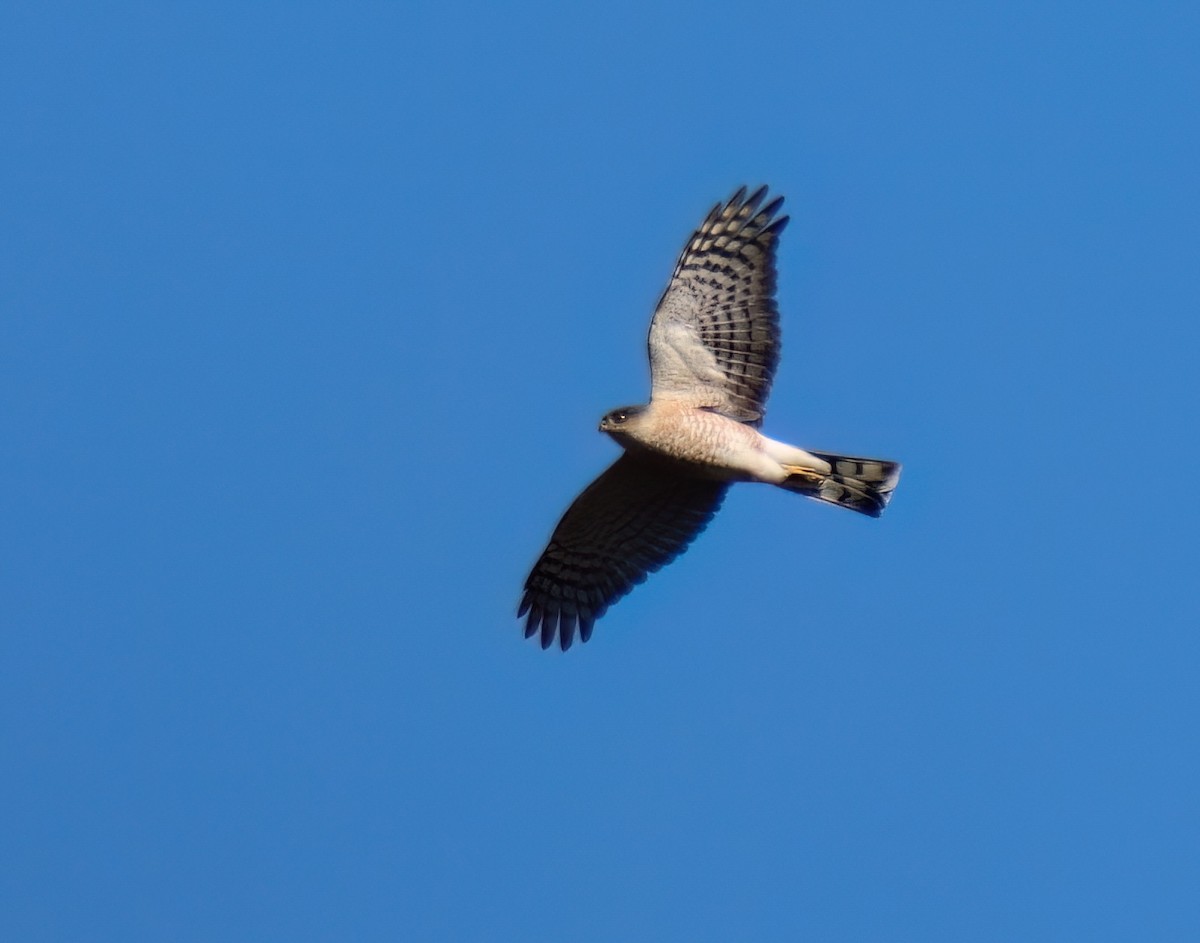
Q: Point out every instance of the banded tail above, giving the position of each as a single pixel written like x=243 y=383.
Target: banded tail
x=860 y=484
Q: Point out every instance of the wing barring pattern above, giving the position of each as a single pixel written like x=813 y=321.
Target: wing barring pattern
x=714 y=339
x=637 y=517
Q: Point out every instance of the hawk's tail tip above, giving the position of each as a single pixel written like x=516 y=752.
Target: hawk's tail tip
x=860 y=484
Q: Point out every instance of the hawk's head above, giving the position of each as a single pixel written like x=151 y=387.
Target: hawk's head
x=620 y=422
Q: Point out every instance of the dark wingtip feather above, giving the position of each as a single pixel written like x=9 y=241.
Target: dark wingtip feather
x=566 y=630
x=764 y=221
x=778 y=225
x=549 y=626
x=756 y=197
x=752 y=201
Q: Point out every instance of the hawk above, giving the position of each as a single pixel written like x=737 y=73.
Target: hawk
x=714 y=347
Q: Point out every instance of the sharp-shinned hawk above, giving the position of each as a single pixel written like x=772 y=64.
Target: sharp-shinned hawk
x=714 y=347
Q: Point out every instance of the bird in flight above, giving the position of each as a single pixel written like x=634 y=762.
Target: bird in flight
x=714 y=347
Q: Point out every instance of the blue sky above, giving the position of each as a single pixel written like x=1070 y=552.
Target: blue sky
x=307 y=317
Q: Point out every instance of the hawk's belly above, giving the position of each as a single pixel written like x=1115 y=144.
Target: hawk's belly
x=715 y=445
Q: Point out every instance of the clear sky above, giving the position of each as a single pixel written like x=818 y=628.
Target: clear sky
x=308 y=314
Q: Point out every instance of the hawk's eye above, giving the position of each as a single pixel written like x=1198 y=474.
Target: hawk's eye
x=619 y=417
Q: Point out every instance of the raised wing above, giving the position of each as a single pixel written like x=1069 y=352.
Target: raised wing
x=637 y=517
x=714 y=339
